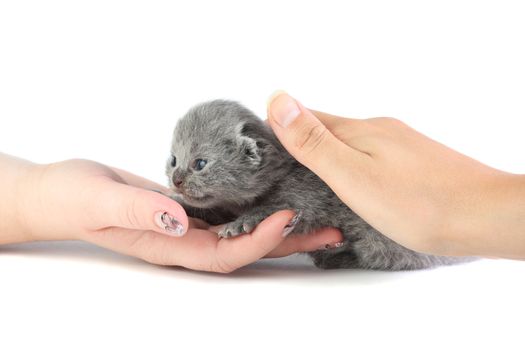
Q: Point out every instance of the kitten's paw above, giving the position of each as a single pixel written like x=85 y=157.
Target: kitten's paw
x=239 y=227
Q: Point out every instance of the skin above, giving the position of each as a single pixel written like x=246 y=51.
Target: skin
x=415 y=190
x=88 y=201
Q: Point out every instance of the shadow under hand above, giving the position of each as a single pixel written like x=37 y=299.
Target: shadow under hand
x=295 y=269
x=70 y=251
x=299 y=268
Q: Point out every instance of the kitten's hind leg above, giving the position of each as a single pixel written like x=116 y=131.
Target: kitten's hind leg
x=326 y=259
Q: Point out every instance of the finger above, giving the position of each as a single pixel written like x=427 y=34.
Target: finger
x=195 y=250
x=360 y=134
x=130 y=207
x=139 y=181
x=197 y=223
x=332 y=122
x=233 y=253
x=321 y=239
x=309 y=141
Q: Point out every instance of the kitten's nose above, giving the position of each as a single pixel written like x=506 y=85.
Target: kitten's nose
x=177 y=179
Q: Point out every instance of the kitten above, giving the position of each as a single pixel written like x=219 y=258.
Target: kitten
x=227 y=166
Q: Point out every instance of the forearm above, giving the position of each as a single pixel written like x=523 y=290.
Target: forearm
x=14 y=173
x=495 y=224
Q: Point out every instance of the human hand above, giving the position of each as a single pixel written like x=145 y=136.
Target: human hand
x=85 y=200
x=414 y=190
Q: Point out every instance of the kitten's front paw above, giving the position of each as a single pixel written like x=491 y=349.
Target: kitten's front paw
x=238 y=227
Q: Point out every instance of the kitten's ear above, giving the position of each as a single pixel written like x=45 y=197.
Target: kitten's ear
x=249 y=147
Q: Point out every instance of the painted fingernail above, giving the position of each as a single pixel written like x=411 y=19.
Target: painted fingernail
x=284 y=109
x=291 y=225
x=169 y=224
x=332 y=246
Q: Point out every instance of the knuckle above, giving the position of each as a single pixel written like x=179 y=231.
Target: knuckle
x=222 y=266
x=143 y=247
x=387 y=121
x=311 y=138
x=129 y=214
x=139 y=247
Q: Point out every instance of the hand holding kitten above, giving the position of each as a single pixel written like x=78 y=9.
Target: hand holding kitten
x=84 y=200
x=412 y=189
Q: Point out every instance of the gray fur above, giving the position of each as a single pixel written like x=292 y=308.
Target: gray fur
x=249 y=176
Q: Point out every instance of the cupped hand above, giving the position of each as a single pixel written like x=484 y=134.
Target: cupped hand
x=85 y=200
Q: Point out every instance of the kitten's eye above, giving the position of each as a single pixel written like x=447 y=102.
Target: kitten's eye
x=199 y=164
x=173 y=161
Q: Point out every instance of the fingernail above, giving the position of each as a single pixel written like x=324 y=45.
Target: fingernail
x=273 y=96
x=283 y=108
x=291 y=225
x=169 y=224
x=332 y=246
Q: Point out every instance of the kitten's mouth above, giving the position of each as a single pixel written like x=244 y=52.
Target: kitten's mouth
x=197 y=202
x=197 y=198
x=192 y=198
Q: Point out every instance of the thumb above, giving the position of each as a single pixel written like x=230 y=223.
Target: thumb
x=121 y=205
x=306 y=138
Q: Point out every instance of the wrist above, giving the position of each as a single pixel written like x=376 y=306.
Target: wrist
x=30 y=202
x=15 y=172
x=495 y=225
x=42 y=204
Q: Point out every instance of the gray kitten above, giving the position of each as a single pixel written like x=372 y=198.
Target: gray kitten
x=228 y=167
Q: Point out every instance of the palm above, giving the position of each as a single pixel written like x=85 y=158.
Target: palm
x=200 y=248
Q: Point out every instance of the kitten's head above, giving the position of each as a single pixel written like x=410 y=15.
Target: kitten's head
x=222 y=154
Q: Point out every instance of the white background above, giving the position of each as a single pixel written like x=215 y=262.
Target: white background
x=107 y=80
